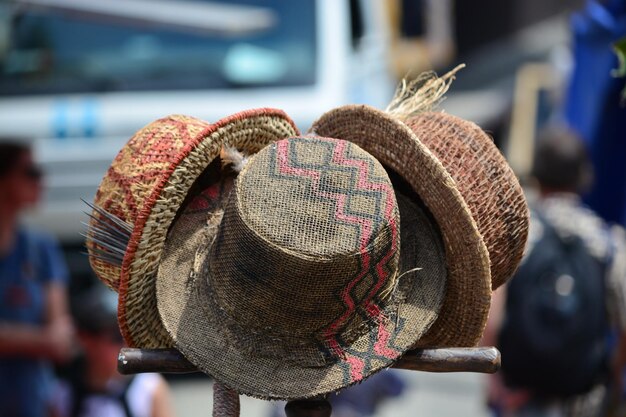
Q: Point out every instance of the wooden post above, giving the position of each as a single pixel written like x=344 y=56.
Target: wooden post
x=483 y=359
x=486 y=360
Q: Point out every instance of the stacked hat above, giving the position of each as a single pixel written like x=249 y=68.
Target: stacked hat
x=301 y=282
x=481 y=175
x=290 y=266
x=141 y=194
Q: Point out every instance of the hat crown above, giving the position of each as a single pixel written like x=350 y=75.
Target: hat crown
x=309 y=243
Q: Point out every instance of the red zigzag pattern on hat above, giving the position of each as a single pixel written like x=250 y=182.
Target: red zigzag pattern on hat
x=381 y=347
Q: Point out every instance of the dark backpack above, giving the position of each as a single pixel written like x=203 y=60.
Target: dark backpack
x=553 y=339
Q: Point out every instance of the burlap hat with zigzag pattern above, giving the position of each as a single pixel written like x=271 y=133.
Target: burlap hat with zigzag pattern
x=314 y=268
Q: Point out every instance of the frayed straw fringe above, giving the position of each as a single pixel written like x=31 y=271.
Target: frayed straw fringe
x=422 y=94
x=231 y=156
x=107 y=236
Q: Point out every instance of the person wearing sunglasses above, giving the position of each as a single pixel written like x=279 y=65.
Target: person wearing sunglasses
x=95 y=388
x=35 y=325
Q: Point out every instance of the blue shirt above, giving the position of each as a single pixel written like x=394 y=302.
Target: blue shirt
x=34 y=262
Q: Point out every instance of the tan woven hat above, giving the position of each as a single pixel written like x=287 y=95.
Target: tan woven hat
x=464 y=312
x=303 y=280
x=141 y=195
x=481 y=175
x=486 y=182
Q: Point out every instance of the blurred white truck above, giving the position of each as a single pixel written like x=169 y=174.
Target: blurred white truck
x=79 y=77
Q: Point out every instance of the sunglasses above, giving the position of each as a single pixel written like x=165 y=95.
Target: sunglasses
x=33 y=173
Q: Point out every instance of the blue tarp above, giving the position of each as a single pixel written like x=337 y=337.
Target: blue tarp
x=593 y=107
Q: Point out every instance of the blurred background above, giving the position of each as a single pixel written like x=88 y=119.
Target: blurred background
x=79 y=77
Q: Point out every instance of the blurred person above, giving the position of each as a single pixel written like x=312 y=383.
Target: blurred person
x=593 y=106
x=96 y=388
x=560 y=321
x=35 y=327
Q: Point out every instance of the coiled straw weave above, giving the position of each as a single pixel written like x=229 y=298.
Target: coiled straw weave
x=486 y=182
x=145 y=187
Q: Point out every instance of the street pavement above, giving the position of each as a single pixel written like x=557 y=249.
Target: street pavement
x=426 y=395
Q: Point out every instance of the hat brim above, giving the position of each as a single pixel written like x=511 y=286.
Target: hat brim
x=150 y=178
x=465 y=308
x=241 y=360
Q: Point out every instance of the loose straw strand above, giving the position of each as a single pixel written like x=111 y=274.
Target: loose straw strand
x=422 y=94
x=233 y=157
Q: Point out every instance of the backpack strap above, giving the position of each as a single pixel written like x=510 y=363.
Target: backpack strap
x=611 y=249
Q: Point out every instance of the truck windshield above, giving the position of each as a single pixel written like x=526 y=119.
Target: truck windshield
x=55 y=50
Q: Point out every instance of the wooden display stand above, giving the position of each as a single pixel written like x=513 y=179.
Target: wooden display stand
x=483 y=360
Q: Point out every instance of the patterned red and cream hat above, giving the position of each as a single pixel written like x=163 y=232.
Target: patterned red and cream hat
x=297 y=285
x=141 y=194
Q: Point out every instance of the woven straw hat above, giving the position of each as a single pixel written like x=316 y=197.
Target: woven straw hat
x=299 y=283
x=465 y=307
x=141 y=194
x=480 y=172
x=486 y=182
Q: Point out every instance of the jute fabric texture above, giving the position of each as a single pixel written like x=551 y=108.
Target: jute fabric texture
x=293 y=288
x=145 y=186
x=463 y=314
x=487 y=183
